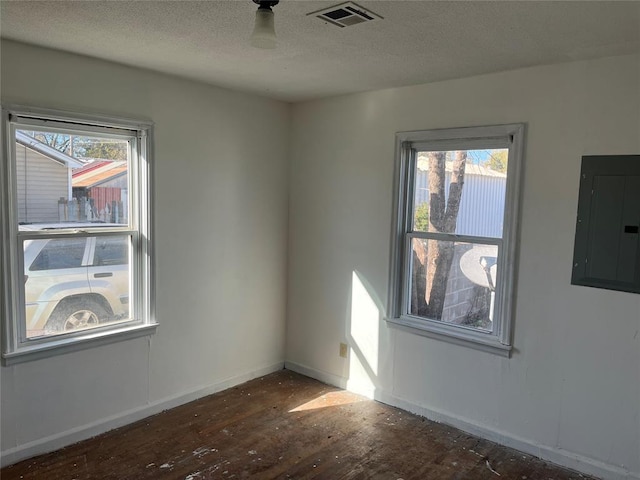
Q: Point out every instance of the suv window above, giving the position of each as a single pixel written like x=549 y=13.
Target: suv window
x=60 y=253
x=111 y=251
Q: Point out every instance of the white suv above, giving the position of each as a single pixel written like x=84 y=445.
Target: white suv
x=75 y=282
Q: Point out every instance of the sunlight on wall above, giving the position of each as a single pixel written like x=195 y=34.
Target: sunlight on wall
x=363 y=339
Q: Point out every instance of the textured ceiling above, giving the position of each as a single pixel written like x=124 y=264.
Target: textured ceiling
x=416 y=42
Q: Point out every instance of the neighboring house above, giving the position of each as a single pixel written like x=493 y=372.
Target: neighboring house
x=104 y=184
x=43 y=177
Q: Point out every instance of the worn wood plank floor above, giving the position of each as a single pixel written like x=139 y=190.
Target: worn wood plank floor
x=286 y=426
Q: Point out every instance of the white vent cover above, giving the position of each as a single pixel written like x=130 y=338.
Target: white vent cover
x=346 y=14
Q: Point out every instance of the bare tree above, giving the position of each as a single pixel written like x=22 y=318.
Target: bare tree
x=432 y=263
x=83 y=147
x=59 y=141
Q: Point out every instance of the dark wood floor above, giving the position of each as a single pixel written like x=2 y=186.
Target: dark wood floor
x=286 y=426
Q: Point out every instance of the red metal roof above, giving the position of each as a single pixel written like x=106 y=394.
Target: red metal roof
x=97 y=172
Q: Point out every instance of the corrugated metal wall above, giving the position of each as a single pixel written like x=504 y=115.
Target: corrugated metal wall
x=104 y=195
x=481 y=206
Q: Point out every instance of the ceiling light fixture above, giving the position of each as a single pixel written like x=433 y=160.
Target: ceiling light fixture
x=264 y=32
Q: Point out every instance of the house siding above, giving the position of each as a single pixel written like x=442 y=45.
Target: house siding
x=40 y=184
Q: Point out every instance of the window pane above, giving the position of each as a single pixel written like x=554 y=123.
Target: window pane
x=63 y=177
x=58 y=253
x=111 y=251
x=453 y=282
x=109 y=275
x=76 y=283
x=461 y=192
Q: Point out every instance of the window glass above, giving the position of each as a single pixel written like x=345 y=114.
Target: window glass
x=454 y=282
x=57 y=271
x=464 y=191
x=111 y=251
x=56 y=253
x=63 y=295
x=63 y=177
x=110 y=276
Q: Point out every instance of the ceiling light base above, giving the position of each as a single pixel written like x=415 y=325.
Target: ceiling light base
x=266 y=3
x=264 y=32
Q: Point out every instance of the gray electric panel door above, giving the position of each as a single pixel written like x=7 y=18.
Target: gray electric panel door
x=607 y=244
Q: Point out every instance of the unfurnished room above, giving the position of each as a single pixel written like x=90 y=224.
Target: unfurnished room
x=306 y=239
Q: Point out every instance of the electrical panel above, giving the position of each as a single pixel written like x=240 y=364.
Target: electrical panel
x=607 y=244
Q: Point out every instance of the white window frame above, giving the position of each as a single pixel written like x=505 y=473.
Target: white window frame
x=16 y=347
x=511 y=136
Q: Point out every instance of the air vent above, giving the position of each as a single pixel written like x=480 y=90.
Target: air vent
x=346 y=14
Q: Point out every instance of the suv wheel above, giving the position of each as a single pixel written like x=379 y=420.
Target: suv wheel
x=74 y=315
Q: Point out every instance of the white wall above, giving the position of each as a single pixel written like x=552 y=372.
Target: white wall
x=571 y=391
x=221 y=234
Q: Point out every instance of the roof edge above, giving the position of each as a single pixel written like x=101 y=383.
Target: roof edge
x=48 y=151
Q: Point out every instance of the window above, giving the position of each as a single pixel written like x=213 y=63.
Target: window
x=452 y=271
x=76 y=244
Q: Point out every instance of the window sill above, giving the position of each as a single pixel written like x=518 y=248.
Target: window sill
x=452 y=334
x=67 y=345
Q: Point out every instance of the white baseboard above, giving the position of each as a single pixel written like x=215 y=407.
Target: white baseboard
x=83 y=432
x=557 y=456
x=325 y=377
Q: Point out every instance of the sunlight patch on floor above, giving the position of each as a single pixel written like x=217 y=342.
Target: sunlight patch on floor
x=331 y=399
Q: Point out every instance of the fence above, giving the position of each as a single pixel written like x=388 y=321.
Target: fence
x=85 y=209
